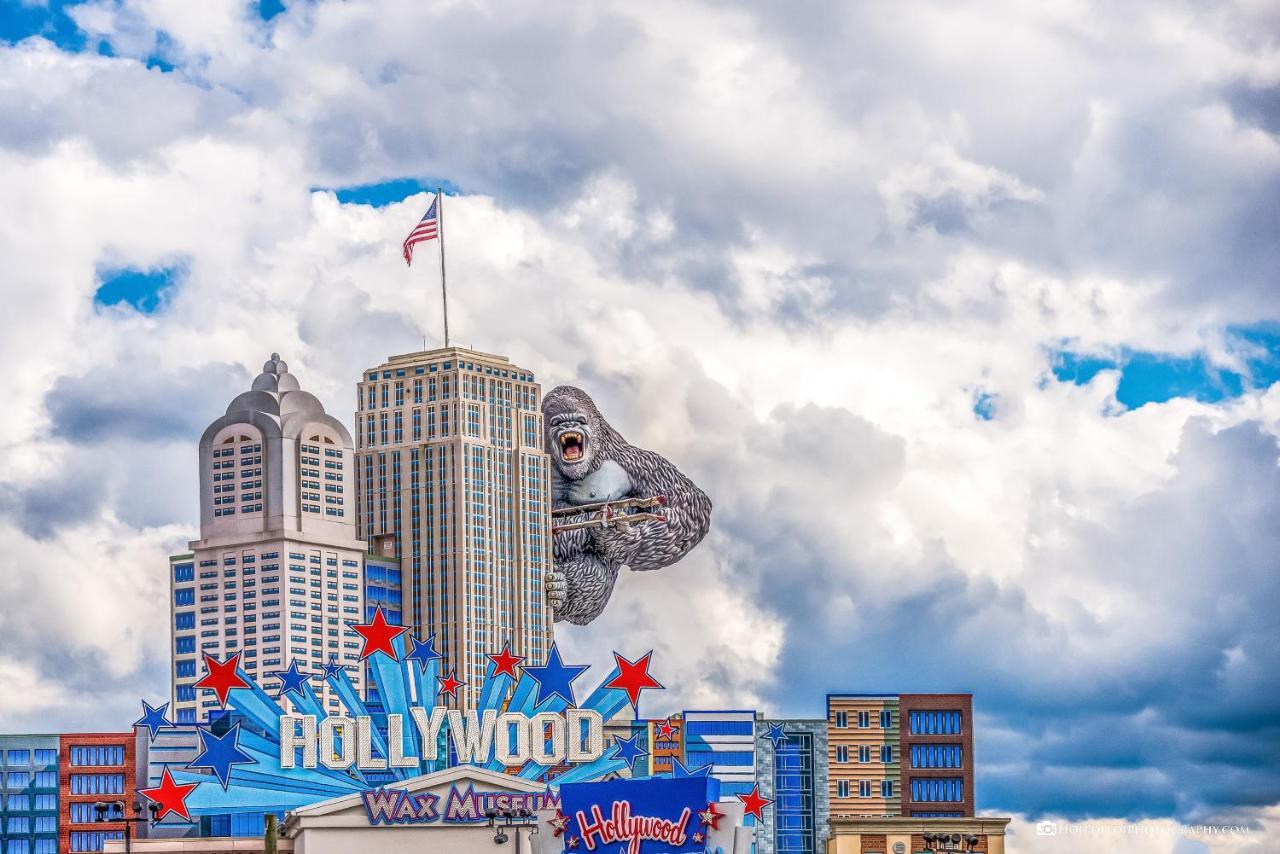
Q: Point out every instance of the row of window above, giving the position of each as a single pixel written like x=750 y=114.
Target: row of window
x=866 y=788
x=948 y=789
x=109 y=754
x=23 y=803
x=935 y=723
x=937 y=756
x=23 y=779
x=863 y=718
x=97 y=784
x=23 y=758
x=92 y=840
x=41 y=845
x=33 y=824
x=865 y=753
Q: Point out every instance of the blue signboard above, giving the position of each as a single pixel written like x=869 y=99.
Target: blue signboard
x=656 y=816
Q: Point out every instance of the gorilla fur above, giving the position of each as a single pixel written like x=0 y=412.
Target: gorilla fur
x=591 y=462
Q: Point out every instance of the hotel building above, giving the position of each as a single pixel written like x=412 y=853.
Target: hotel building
x=29 y=794
x=453 y=481
x=793 y=774
x=725 y=740
x=901 y=755
x=277 y=571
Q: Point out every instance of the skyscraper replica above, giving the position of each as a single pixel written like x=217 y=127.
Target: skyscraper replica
x=276 y=573
x=454 y=481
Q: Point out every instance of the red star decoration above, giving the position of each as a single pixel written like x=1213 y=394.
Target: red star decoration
x=171 y=797
x=633 y=677
x=710 y=817
x=698 y=838
x=222 y=676
x=378 y=635
x=558 y=823
x=667 y=729
x=753 y=804
x=504 y=663
x=571 y=842
x=450 y=684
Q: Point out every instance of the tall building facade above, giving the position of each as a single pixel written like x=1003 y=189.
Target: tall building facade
x=94 y=767
x=29 y=794
x=454 y=482
x=792 y=772
x=277 y=571
x=725 y=740
x=901 y=755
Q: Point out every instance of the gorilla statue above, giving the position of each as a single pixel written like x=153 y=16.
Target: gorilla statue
x=591 y=463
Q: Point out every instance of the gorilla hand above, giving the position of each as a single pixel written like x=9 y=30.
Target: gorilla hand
x=618 y=543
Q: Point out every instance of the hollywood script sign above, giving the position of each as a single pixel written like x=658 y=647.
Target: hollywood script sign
x=511 y=738
x=459 y=806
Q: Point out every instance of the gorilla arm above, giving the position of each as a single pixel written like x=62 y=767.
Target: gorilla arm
x=654 y=545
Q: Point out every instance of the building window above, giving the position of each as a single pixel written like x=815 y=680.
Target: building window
x=886 y=719
x=938 y=789
x=864 y=788
x=936 y=756
x=97 y=784
x=842 y=788
x=97 y=755
x=864 y=720
x=935 y=723
x=842 y=753
x=886 y=788
x=886 y=753
x=93 y=840
x=842 y=719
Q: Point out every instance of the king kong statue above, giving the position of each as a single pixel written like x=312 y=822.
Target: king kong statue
x=592 y=463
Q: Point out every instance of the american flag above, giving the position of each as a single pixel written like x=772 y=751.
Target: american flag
x=427 y=229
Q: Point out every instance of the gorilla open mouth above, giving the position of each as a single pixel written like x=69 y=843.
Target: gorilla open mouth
x=572 y=444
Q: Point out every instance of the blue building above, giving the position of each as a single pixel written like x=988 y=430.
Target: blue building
x=725 y=740
x=792 y=772
x=29 y=794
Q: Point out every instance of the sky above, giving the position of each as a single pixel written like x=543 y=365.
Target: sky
x=964 y=314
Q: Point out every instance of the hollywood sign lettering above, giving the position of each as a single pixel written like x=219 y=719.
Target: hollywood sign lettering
x=631 y=830
x=547 y=738
x=461 y=806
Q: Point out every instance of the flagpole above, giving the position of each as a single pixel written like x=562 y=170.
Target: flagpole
x=444 y=293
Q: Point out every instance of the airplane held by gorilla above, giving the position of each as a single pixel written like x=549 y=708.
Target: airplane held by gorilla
x=615 y=506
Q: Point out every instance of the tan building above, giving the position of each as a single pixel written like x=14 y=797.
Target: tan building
x=276 y=573
x=454 y=482
x=851 y=835
x=900 y=754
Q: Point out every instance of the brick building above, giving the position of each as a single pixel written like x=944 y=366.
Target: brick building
x=93 y=767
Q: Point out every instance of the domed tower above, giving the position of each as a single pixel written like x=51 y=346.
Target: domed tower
x=277 y=572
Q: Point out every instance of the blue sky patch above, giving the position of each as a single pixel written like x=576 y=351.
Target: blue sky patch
x=984 y=405
x=20 y=20
x=1151 y=377
x=143 y=290
x=389 y=192
x=268 y=9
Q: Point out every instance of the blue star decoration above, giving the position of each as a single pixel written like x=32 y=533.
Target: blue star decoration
x=776 y=735
x=220 y=752
x=332 y=669
x=292 y=680
x=153 y=718
x=423 y=652
x=627 y=750
x=679 y=770
x=555 y=678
